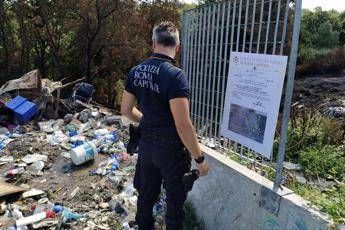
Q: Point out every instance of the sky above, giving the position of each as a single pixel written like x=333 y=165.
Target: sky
x=311 y=4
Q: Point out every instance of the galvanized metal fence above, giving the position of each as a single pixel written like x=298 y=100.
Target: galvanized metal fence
x=210 y=33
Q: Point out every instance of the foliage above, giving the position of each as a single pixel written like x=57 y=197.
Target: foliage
x=317 y=143
x=191 y=221
x=326 y=37
x=321 y=32
x=323 y=161
x=98 y=39
x=331 y=201
x=322 y=61
x=311 y=130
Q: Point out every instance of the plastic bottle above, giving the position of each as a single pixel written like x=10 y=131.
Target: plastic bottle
x=121 y=145
x=34 y=218
x=2 y=146
x=12 y=172
x=84 y=153
x=125 y=226
x=67 y=215
x=72 y=133
x=101 y=132
x=43 y=207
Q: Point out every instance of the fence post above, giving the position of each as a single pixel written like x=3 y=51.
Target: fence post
x=288 y=94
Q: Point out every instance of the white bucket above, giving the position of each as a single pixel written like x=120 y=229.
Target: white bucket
x=84 y=153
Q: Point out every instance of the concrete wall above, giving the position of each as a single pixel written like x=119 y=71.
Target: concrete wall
x=234 y=197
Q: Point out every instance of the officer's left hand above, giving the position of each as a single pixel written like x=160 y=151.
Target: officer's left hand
x=203 y=168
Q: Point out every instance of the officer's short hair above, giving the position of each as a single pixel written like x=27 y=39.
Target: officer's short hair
x=166 y=34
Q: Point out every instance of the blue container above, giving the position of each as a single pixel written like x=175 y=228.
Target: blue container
x=15 y=102
x=23 y=109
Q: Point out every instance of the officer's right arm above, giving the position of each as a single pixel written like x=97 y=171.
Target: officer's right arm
x=178 y=95
x=180 y=110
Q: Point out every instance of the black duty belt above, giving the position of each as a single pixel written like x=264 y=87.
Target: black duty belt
x=162 y=140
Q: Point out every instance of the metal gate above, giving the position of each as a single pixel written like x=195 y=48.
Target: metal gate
x=210 y=32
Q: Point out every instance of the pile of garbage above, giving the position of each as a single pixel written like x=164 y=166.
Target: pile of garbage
x=72 y=171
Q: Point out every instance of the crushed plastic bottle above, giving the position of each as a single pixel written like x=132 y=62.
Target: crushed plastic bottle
x=128 y=191
x=67 y=215
x=20 y=223
x=101 y=132
x=13 y=172
x=125 y=226
x=43 y=207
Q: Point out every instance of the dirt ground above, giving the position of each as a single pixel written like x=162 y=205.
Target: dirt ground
x=103 y=196
x=320 y=91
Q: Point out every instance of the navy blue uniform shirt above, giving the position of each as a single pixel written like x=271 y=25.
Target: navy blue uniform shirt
x=154 y=82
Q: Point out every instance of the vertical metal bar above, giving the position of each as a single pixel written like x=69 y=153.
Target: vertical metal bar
x=268 y=25
x=225 y=60
x=233 y=26
x=288 y=94
x=239 y=19
x=193 y=59
x=215 y=77
x=241 y=153
x=184 y=41
x=245 y=27
x=286 y=17
x=276 y=29
x=253 y=26
x=202 y=68
x=191 y=51
x=219 y=73
x=206 y=68
x=232 y=34
x=260 y=26
x=209 y=76
x=197 y=83
x=187 y=48
x=248 y=154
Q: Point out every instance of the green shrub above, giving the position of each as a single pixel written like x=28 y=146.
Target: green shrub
x=320 y=61
x=310 y=130
x=323 y=161
x=332 y=132
x=331 y=201
x=308 y=54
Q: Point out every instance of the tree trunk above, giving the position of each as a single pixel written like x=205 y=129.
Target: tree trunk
x=88 y=62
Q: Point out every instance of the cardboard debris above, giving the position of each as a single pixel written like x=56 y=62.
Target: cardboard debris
x=32 y=192
x=31 y=158
x=29 y=81
x=8 y=189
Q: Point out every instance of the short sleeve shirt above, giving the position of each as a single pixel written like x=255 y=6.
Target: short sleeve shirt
x=154 y=83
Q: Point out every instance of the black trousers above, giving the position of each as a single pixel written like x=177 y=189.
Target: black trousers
x=157 y=164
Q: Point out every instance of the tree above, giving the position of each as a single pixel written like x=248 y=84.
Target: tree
x=98 y=39
x=5 y=37
x=326 y=37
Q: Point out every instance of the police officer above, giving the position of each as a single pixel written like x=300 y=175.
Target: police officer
x=168 y=139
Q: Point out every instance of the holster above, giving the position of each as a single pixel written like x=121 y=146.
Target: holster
x=134 y=137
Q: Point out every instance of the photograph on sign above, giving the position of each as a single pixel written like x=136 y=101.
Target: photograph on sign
x=247 y=122
x=253 y=95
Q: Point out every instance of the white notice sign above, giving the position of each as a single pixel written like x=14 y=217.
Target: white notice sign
x=253 y=95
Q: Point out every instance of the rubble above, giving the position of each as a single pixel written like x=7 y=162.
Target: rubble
x=64 y=182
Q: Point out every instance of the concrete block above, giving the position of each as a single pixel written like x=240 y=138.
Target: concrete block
x=232 y=196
